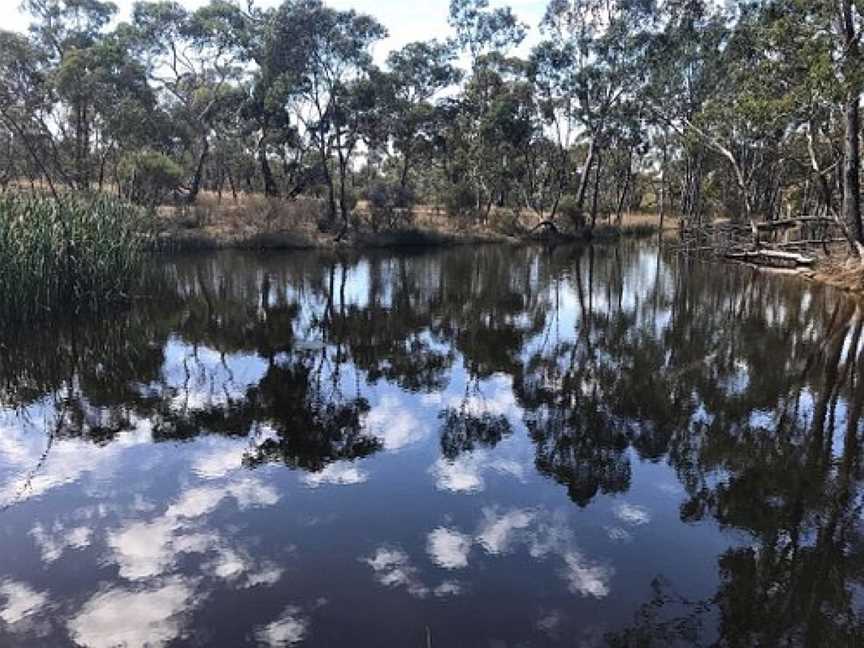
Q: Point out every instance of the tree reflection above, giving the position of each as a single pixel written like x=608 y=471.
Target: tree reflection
x=464 y=431
x=312 y=430
x=790 y=477
x=748 y=387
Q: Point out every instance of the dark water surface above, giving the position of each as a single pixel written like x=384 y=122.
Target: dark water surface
x=503 y=447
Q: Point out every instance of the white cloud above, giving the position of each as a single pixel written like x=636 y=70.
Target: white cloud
x=52 y=544
x=544 y=534
x=585 y=578
x=448 y=588
x=340 y=473
x=69 y=460
x=196 y=502
x=289 y=629
x=464 y=474
x=143 y=549
x=252 y=493
x=219 y=461
x=633 y=515
x=617 y=534
x=229 y=565
x=448 y=548
x=497 y=532
x=461 y=475
x=395 y=424
x=21 y=602
x=146 y=549
x=393 y=568
x=133 y=618
x=268 y=574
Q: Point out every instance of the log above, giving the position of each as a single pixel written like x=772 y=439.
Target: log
x=549 y=225
x=772 y=257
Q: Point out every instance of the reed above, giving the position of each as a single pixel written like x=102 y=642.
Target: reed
x=68 y=255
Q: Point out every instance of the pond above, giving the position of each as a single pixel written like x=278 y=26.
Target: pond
x=590 y=446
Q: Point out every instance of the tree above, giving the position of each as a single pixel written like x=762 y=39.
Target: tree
x=321 y=57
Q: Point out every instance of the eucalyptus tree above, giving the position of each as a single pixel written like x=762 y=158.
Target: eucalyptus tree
x=24 y=100
x=485 y=115
x=321 y=57
x=69 y=34
x=481 y=30
x=194 y=66
x=590 y=62
x=417 y=74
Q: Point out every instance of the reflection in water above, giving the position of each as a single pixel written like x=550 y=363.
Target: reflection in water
x=640 y=450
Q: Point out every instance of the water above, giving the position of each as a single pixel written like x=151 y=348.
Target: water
x=503 y=447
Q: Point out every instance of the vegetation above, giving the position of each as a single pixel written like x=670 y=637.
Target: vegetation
x=67 y=255
x=743 y=110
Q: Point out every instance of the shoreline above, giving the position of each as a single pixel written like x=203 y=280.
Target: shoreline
x=418 y=237
x=846 y=275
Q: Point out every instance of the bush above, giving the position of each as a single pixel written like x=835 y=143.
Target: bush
x=390 y=204
x=568 y=208
x=67 y=255
x=148 y=177
x=460 y=201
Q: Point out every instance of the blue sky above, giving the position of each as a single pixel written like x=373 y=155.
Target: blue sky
x=407 y=20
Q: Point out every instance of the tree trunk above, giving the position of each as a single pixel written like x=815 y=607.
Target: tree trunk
x=270 y=188
x=596 y=193
x=852 y=170
x=583 y=182
x=199 y=171
x=852 y=160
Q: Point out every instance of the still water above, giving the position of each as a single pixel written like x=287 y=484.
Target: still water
x=499 y=447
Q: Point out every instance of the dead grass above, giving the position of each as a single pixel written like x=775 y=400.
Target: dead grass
x=847 y=275
x=254 y=221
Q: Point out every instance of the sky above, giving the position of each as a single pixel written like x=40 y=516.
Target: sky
x=406 y=20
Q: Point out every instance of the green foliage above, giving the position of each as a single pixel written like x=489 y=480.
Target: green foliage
x=461 y=201
x=65 y=256
x=147 y=177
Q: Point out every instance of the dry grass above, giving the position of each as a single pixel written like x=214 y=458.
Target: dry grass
x=846 y=275
x=257 y=222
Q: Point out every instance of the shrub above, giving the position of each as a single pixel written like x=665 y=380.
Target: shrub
x=460 y=201
x=148 y=177
x=390 y=204
x=568 y=208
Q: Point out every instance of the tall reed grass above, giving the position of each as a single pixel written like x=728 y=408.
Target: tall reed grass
x=62 y=257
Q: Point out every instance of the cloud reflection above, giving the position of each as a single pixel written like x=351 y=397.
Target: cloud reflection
x=395 y=424
x=632 y=514
x=147 y=549
x=21 y=602
x=133 y=617
x=289 y=629
x=449 y=548
x=340 y=473
x=464 y=474
x=54 y=542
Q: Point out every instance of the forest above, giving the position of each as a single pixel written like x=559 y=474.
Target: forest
x=745 y=110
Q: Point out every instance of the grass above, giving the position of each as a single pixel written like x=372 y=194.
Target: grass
x=57 y=257
x=256 y=222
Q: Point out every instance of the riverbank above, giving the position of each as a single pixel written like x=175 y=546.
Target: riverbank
x=255 y=223
x=846 y=275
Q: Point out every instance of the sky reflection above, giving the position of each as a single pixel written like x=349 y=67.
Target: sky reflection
x=525 y=446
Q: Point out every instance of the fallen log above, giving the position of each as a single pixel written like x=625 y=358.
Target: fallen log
x=545 y=224
x=772 y=257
